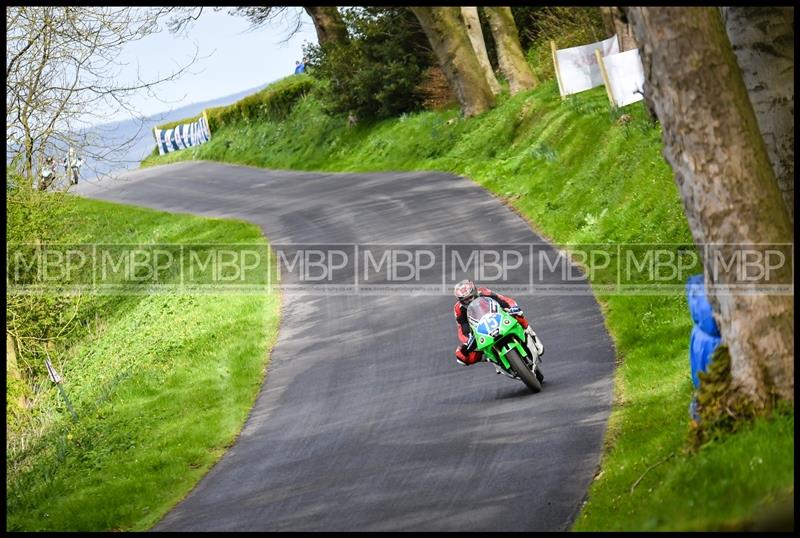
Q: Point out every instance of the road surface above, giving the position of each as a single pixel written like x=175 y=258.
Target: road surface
x=365 y=421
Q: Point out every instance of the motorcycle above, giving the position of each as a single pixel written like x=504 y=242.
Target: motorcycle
x=48 y=175
x=503 y=342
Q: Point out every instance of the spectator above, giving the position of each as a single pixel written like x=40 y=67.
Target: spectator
x=48 y=173
x=75 y=163
x=705 y=334
x=299 y=67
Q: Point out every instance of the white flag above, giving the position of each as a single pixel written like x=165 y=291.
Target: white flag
x=626 y=76
x=577 y=66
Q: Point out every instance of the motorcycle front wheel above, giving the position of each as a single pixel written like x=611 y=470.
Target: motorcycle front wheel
x=522 y=371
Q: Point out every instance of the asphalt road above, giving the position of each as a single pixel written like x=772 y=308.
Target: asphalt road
x=365 y=421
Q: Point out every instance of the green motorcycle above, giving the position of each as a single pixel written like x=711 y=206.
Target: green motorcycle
x=503 y=342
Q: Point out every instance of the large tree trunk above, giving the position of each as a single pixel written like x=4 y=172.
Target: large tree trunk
x=473 y=23
x=607 y=14
x=509 y=52
x=763 y=41
x=328 y=24
x=712 y=141
x=620 y=26
x=447 y=34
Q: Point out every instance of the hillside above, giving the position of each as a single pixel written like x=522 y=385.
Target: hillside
x=580 y=173
x=133 y=362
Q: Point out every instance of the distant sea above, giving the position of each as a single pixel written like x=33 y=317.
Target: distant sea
x=112 y=134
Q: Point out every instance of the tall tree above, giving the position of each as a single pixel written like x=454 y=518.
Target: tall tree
x=608 y=20
x=763 y=41
x=448 y=37
x=615 y=21
x=328 y=23
x=327 y=20
x=63 y=74
x=473 y=23
x=509 y=53
x=730 y=195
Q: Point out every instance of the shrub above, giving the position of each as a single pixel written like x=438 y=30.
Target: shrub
x=273 y=103
x=567 y=26
x=378 y=72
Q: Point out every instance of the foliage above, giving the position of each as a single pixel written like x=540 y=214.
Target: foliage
x=272 y=103
x=161 y=384
x=567 y=26
x=377 y=73
x=581 y=176
x=62 y=75
x=36 y=323
x=721 y=412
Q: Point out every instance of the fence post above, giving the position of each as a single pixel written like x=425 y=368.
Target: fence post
x=606 y=80
x=208 y=125
x=55 y=378
x=558 y=73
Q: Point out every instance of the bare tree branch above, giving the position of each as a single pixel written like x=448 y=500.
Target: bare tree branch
x=63 y=68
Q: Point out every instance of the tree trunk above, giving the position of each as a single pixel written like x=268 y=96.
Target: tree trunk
x=607 y=14
x=623 y=29
x=509 y=52
x=763 y=41
x=473 y=24
x=712 y=141
x=328 y=24
x=447 y=34
x=12 y=369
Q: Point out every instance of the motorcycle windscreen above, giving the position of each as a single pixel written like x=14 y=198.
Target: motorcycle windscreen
x=484 y=316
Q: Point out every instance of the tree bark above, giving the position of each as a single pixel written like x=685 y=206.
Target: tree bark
x=623 y=29
x=509 y=52
x=607 y=14
x=616 y=22
x=473 y=24
x=12 y=369
x=447 y=34
x=712 y=141
x=328 y=24
x=763 y=41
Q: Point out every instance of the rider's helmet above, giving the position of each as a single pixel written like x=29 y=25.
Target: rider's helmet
x=465 y=291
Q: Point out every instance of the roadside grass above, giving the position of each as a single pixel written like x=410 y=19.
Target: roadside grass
x=580 y=173
x=161 y=382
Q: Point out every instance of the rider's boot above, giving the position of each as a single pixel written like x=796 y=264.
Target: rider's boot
x=534 y=343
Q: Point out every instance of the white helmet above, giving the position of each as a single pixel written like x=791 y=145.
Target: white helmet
x=465 y=291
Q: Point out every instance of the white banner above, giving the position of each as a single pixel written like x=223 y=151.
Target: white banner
x=577 y=66
x=626 y=77
x=182 y=136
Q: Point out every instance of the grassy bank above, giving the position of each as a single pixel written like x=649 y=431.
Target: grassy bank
x=161 y=384
x=580 y=173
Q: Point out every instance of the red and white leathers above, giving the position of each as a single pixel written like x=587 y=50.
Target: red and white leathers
x=464 y=355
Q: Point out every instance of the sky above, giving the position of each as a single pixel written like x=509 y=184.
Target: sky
x=232 y=58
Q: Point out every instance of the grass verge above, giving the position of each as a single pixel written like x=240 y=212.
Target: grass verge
x=581 y=173
x=161 y=382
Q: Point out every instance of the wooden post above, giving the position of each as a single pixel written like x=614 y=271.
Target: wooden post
x=558 y=73
x=205 y=116
x=606 y=80
x=158 y=142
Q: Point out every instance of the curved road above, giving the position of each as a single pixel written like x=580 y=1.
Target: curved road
x=365 y=421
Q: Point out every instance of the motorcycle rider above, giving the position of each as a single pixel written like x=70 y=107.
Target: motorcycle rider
x=465 y=291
